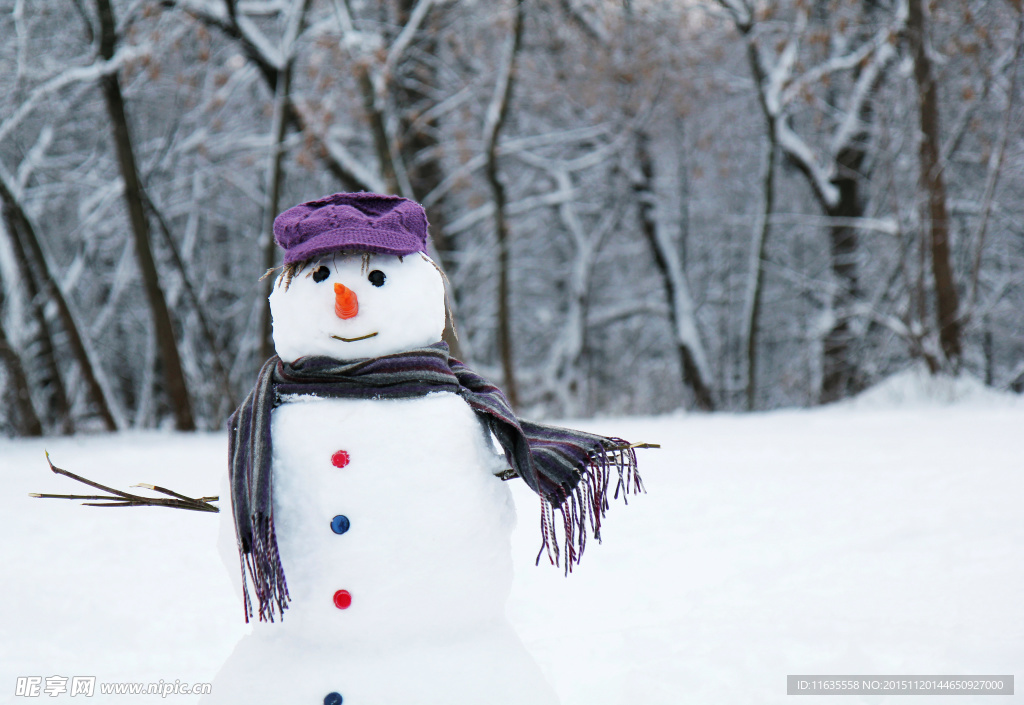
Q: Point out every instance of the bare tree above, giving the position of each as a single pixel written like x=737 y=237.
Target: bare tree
x=689 y=346
x=238 y=28
x=26 y=420
x=497 y=112
x=275 y=168
x=173 y=375
x=418 y=89
x=563 y=374
x=55 y=400
x=22 y=231
x=755 y=271
x=933 y=185
x=996 y=163
x=833 y=173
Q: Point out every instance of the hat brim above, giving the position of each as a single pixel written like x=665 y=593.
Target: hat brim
x=385 y=242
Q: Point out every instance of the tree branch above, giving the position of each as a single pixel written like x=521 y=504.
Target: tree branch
x=117 y=498
x=93 y=71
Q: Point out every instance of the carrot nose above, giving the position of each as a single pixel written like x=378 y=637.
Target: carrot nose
x=346 y=305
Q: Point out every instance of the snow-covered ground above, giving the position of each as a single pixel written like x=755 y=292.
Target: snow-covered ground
x=882 y=536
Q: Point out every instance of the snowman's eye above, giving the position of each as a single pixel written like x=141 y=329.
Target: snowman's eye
x=320 y=274
x=376 y=277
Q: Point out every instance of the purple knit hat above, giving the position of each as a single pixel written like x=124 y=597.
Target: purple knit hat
x=362 y=222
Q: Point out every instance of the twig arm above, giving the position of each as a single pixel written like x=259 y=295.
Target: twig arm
x=72 y=496
x=164 y=490
x=73 y=476
x=117 y=498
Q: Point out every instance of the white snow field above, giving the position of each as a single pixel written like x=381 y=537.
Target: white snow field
x=882 y=536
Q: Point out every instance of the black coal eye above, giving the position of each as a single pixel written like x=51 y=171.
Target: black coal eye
x=377 y=277
x=320 y=274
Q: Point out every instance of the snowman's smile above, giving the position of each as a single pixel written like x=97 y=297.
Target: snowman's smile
x=352 y=340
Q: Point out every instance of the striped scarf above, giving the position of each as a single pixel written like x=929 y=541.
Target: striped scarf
x=569 y=470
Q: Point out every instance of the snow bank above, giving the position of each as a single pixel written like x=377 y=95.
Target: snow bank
x=915 y=386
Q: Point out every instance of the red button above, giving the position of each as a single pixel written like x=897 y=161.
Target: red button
x=342 y=599
x=340 y=459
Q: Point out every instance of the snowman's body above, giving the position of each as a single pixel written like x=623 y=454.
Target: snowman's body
x=393 y=532
x=426 y=552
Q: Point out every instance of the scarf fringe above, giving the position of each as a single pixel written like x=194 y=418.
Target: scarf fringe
x=586 y=503
x=263 y=565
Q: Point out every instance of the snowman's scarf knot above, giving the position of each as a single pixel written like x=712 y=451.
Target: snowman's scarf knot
x=570 y=470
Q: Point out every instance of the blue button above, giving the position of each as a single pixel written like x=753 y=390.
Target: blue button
x=339 y=525
x=333 y=699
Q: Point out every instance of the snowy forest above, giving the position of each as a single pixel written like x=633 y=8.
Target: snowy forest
x=640 y=205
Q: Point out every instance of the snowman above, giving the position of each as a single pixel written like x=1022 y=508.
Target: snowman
x=370 y=518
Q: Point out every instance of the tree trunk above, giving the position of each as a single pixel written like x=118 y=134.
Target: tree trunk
x=934 y=186
x=275 y=177
x=692 y=360
x=21 y=227
x=55 y=400
x=497 y=112
x=425 y=173
x=995 y=168
x=26 y=419
x=568 y=352
x=755 y=274
x=381 y=143
x=841 y=375
x=216 y=351
x=173 y=375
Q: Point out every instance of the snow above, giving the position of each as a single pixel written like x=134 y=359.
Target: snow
x=915 y=386
x=880 y=536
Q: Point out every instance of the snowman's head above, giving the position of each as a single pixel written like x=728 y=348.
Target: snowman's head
x=356 y=281
x=356 y=305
